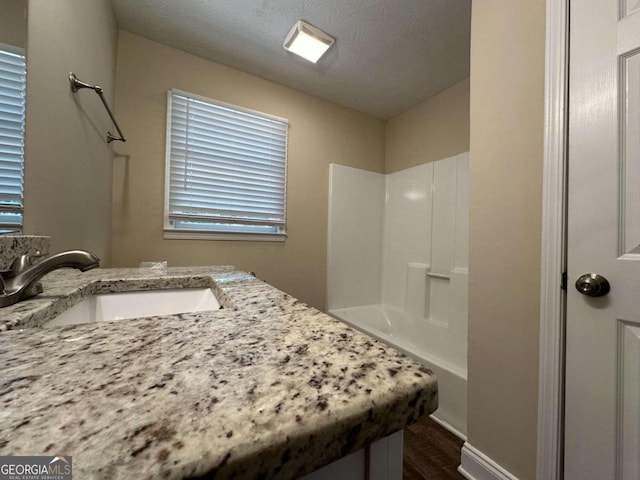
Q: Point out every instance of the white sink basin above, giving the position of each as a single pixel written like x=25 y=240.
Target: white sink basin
x=121 y=306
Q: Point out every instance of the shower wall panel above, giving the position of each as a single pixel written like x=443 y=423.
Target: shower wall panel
x=354 y=257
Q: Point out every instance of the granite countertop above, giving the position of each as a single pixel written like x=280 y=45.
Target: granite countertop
x=265 y=387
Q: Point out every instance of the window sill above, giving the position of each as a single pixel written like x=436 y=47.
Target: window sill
x=174 y=234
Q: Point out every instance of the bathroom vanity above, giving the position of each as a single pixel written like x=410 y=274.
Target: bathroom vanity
x=265 y=387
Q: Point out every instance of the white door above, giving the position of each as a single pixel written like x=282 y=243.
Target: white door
x=602 y=409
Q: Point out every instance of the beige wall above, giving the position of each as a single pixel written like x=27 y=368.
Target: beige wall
x=320 y=133
x=68 y=163
x=507 y=100
x=13 y=22
x=435 y=129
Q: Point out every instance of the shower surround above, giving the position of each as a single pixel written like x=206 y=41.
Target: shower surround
x=398 y=266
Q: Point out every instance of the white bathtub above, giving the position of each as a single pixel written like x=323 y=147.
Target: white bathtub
x=391 y=325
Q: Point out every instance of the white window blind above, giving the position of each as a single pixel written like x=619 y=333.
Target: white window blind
x=12 y=112
x=226 y=168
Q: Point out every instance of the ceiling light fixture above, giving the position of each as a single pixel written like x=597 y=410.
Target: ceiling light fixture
x=307 y=41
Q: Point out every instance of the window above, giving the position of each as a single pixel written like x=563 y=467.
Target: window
x=225 y=171
x=13 y=79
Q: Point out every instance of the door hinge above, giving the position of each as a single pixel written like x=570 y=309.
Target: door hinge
x=564 y=281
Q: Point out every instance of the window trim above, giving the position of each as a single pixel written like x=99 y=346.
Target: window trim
x=175 y=233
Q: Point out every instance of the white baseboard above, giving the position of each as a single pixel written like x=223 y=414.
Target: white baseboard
x=448 y=426
x=475 y=465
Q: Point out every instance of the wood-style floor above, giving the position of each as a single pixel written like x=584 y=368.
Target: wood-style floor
x=430 y=452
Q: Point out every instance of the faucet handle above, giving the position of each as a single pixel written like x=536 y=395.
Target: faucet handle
x=18 y=265
x=21 y=263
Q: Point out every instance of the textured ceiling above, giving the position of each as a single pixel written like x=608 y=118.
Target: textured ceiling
x=389 y=55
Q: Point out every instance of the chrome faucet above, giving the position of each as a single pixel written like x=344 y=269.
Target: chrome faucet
x=22 y=280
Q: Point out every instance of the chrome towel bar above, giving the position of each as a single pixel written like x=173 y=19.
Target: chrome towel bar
x=77 y=85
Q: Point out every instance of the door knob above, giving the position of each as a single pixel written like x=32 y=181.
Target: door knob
x=593 y=285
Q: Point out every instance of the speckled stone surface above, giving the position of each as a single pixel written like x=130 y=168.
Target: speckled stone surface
x=266 y=387
x=12 y=246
